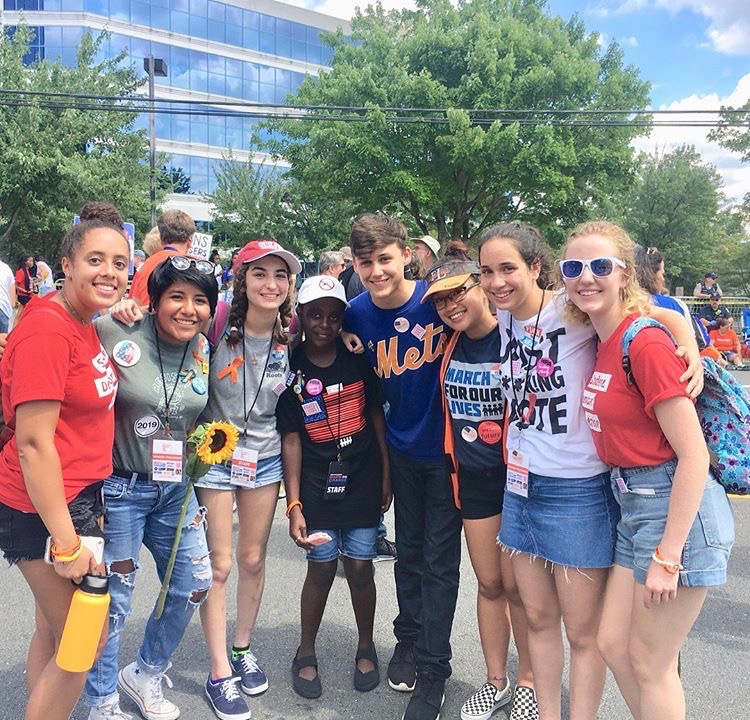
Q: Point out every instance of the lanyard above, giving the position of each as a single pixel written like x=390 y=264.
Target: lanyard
x=245 y=411
x=168 y=399
x=523 y=420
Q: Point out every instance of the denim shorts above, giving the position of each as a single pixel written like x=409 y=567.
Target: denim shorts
x=23 y=535
x=566 y=521
x=356 y=543
x=644 y=514
x=217 y=478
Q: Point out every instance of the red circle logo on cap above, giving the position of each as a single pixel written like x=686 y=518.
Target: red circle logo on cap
x=326 y=284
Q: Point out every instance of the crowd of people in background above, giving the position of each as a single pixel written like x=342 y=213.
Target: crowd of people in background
x=529 y=438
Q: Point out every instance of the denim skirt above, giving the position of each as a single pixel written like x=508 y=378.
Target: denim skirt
x=565 y=521
x=644 y=509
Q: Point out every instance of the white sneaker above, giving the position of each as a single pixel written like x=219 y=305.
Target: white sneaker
x=485 y=701
x=145 y=691
x=109 y=711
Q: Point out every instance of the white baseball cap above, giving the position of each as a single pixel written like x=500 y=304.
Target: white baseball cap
x=431 y=243
x=321 y=286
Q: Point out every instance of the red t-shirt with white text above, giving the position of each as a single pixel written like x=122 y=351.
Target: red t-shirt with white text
x=621 y=416
x=52 y=357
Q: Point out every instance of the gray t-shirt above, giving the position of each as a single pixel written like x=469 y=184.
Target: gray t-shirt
x=263 y=382
x=140 y=404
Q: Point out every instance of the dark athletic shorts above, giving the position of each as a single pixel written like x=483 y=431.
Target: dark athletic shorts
x=481 y=492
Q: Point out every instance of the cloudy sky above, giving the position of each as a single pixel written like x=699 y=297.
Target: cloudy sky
x=695 y=53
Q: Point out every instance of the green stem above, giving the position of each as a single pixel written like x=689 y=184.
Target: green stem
x=173 y=554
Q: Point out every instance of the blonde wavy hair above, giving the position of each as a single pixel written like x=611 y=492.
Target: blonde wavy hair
x=633 y=298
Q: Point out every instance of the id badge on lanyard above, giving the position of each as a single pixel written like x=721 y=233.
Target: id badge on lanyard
x=244 y=467
x=338 y=477
x=166 y=460
x=518 y=473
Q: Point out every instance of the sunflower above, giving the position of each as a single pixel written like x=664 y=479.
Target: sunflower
x=218 y=443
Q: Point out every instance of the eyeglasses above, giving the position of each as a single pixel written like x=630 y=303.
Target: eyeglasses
x=453 y=296
x=600 y=267
x=183 y=262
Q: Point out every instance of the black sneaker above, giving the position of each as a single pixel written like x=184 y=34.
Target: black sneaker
x=402 y=669
x=427 y=699
x=386 y=550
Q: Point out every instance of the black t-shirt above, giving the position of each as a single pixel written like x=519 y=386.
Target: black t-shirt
x=334 y=403
x=472 y=387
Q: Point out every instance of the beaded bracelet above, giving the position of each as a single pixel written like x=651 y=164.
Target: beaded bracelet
x=670 y=567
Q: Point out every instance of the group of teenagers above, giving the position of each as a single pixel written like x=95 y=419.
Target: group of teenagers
x=585 y=494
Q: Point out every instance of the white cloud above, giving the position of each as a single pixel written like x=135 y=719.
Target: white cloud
x=729 y=20
x=736 y=175
x=631 y=41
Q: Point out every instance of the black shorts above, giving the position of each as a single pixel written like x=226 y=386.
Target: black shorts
x=481 y=492
x=23 y=535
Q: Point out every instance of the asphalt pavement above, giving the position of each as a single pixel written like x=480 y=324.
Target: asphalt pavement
x=715 y=665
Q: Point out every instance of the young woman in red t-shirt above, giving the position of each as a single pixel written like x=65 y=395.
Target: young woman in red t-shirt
x=58 y=390
x=676 y=529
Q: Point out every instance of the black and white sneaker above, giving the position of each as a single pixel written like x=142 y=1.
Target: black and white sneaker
x=386 y=550
x=402 y=669
x=524 y=704
x=485 y=701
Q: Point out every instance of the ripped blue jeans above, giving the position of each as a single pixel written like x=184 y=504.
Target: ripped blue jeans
x=142 y=512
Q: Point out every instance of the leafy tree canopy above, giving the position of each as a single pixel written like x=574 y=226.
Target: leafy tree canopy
x=255 y=201
x=453 y=173
x=675 y=207
x=54 y=159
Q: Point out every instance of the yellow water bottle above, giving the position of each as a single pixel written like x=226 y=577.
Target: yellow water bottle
x=83 y=626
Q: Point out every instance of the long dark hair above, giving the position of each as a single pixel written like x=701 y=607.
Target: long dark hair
x=529 y=242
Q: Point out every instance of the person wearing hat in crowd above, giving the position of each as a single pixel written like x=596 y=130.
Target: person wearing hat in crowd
x=708 y=288
x=337 y=476
x=138 y=257
x=249 y=371
x=428 y=251
x=709 y=315
x=474 y=411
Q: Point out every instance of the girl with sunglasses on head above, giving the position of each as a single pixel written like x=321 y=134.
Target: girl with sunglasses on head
x=474 y=410
x=58 y=389
x=249 y=371
x=559 y=515
x=677 y=529
x=162 y=367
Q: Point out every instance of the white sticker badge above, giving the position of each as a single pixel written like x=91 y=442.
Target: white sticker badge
x=401 y=324
x=600 y=381
x=126 y=353
x=146 y=426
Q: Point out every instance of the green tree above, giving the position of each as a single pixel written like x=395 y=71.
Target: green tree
x=675 y=207
x=55 y=156
x=254 y=200
x=453 y=172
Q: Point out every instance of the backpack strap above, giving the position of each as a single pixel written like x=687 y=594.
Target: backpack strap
x=219 y=323
x=448 y=440
x=640 y=323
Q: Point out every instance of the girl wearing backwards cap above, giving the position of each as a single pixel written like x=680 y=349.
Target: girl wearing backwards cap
x=474 y=410
x=336 y=474
x=249 y=371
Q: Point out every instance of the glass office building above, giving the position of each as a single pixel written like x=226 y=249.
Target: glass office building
x=254 y=51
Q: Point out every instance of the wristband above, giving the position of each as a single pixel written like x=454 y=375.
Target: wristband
x=670 y=567
x=293 y=505
x=69 y=557
x=67 y=551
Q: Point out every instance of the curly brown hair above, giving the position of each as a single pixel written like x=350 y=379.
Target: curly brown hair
x=239 y=308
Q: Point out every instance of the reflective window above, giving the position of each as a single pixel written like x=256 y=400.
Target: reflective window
x=179 y=22
x=199 y=7
x=140 y=13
